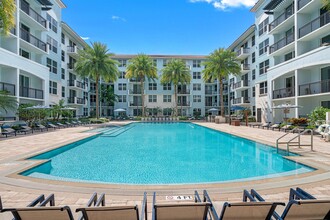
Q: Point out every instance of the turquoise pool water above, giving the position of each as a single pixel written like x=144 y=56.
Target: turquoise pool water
x=163 y=153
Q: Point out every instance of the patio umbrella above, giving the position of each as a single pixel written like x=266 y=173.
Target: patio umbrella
x=213 y=110
x=241 y=108
x=286 y=108
x=119 y=110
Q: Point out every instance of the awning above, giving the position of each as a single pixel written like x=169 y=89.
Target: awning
x=45 y=2
x=273 y=4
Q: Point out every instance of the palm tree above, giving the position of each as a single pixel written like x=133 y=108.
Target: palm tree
x=95 y=62
x=7 y=102
x=326 y=4
x=219 y=65
x=140 y=68
x=176 y=72
x=7 y=15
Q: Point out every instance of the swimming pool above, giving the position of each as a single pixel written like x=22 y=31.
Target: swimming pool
x=163 y=153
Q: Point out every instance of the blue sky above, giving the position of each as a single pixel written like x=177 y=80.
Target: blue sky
x=180 y=27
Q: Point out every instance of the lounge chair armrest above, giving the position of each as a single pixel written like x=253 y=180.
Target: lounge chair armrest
x=197 y=197
x=49 y=200
x=93 y=201
x=297 y=194
x=38 y=200
x=212 y=209
x=144 y=212
x=247 y=195
x=101 y=200
x=253 y=196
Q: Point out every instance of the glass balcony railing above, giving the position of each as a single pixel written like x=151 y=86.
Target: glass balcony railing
x=10 y=88
x=315 y=88
x=284 y=93
x=280 y=19
x=314 y=25
x=302 y=3
x=31 y=93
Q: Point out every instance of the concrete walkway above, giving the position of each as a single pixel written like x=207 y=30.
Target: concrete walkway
x=16 y=191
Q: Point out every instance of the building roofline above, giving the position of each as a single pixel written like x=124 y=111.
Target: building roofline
x=61 y=3
x=256 y=6
x=129 y=56
x=74 y=34
x=243 y=36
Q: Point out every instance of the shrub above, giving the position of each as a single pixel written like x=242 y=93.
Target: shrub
x=318 y=114
x=298 y=121
x=183 y=118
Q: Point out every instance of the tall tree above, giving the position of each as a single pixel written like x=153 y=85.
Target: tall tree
x=7 y=15
x=176 y=72
x=7 y=102
x=95 y=62
x=140 y=68
x=218 y=66
x=326 y=4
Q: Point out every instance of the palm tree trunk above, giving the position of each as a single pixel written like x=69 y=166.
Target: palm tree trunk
x=97 y=97
x=176 y=99
x=142 y=96
x=222 y=112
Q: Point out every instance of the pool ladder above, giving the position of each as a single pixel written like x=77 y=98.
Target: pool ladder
x=291 y=142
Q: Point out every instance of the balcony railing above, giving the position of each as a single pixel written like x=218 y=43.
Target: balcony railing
x=314 y=25
x=76 y=83
x=280 y=19
x=135 y=91
x=10 y=88
x=183 y=103
x=72 y=49
x=135 y=80
x=302 y=3
x=245 y=66
x=76 y=100
x=32 y=40
x=184 y=91
x=211 y=92
x=315 y=87
x=31 y=93
x=240 y=84
x=70 y=66
x=209 y=104
x=33 y=14
x=242 y=51
x=241 y=100
x=284 y=93
x=136 y=104
x=281 y=43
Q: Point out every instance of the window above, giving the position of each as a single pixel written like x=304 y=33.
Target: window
x=196 y=63
x=325 y=104
x=197 y=111
x=154 y=62
x=197 y=75
x=253 y=74
x=253 y=111
x=122 y=75
x=253 y=91
x=167 y=86
x=263 y=26
x=165 y=62
x=63 y=73
x=167 y=98
x=122 y=63
x=52 y=65
x=197 y=87
x=24 y=53
x=121 y=98
x=85 y=95
x=122 y=86
x=253 y=57
x=152 y=98
x=85 y=111
x=63 y=55
x=93 y=87
x=263 y=88
x=52 y=23
x=253 y=40
x=53 y=44
x=263 y=67
x=63 y=38
x=63 y=91
x=289 y=56
x=197 y=98
x=152 y=86
x=263 y=46
x=53 y=87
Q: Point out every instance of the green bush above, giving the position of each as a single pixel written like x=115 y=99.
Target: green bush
x=298 y=121
x=318 y=114
x=183 y=118
x=98 y=121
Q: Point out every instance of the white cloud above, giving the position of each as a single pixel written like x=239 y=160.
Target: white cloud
x=115 y=17
x=85 y=38
x=224 y=4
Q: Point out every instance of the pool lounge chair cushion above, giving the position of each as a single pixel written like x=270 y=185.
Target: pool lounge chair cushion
x=41 y=213
x=7 y=131
x=113 y=212
x=307 y=209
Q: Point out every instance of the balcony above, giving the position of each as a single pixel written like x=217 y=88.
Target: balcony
x=284 y=93
x=280 y=19
x=135 y=92
x=72 y=51
x=302 y=3
x=210 y=104
x=10 y=88
x=133 y=80
x=281 y=43
x=315 y=88
x=184 y=92
x=211 y=92
x=31 y=93
x=244 y=84
x=243 y=53
x=76 y=101
x=241 y=101
x=184 y=104
x=76 y=84
x=245 y=67
x=70 y=66
x=314 y=25
x=26 y=36
x=135 y=104
x=33 y=14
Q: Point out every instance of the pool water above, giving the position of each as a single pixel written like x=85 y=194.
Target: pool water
x=163 y=153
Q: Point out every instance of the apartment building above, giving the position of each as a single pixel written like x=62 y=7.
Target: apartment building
x=36 y=58
x=292 y=58
x=195 y=98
